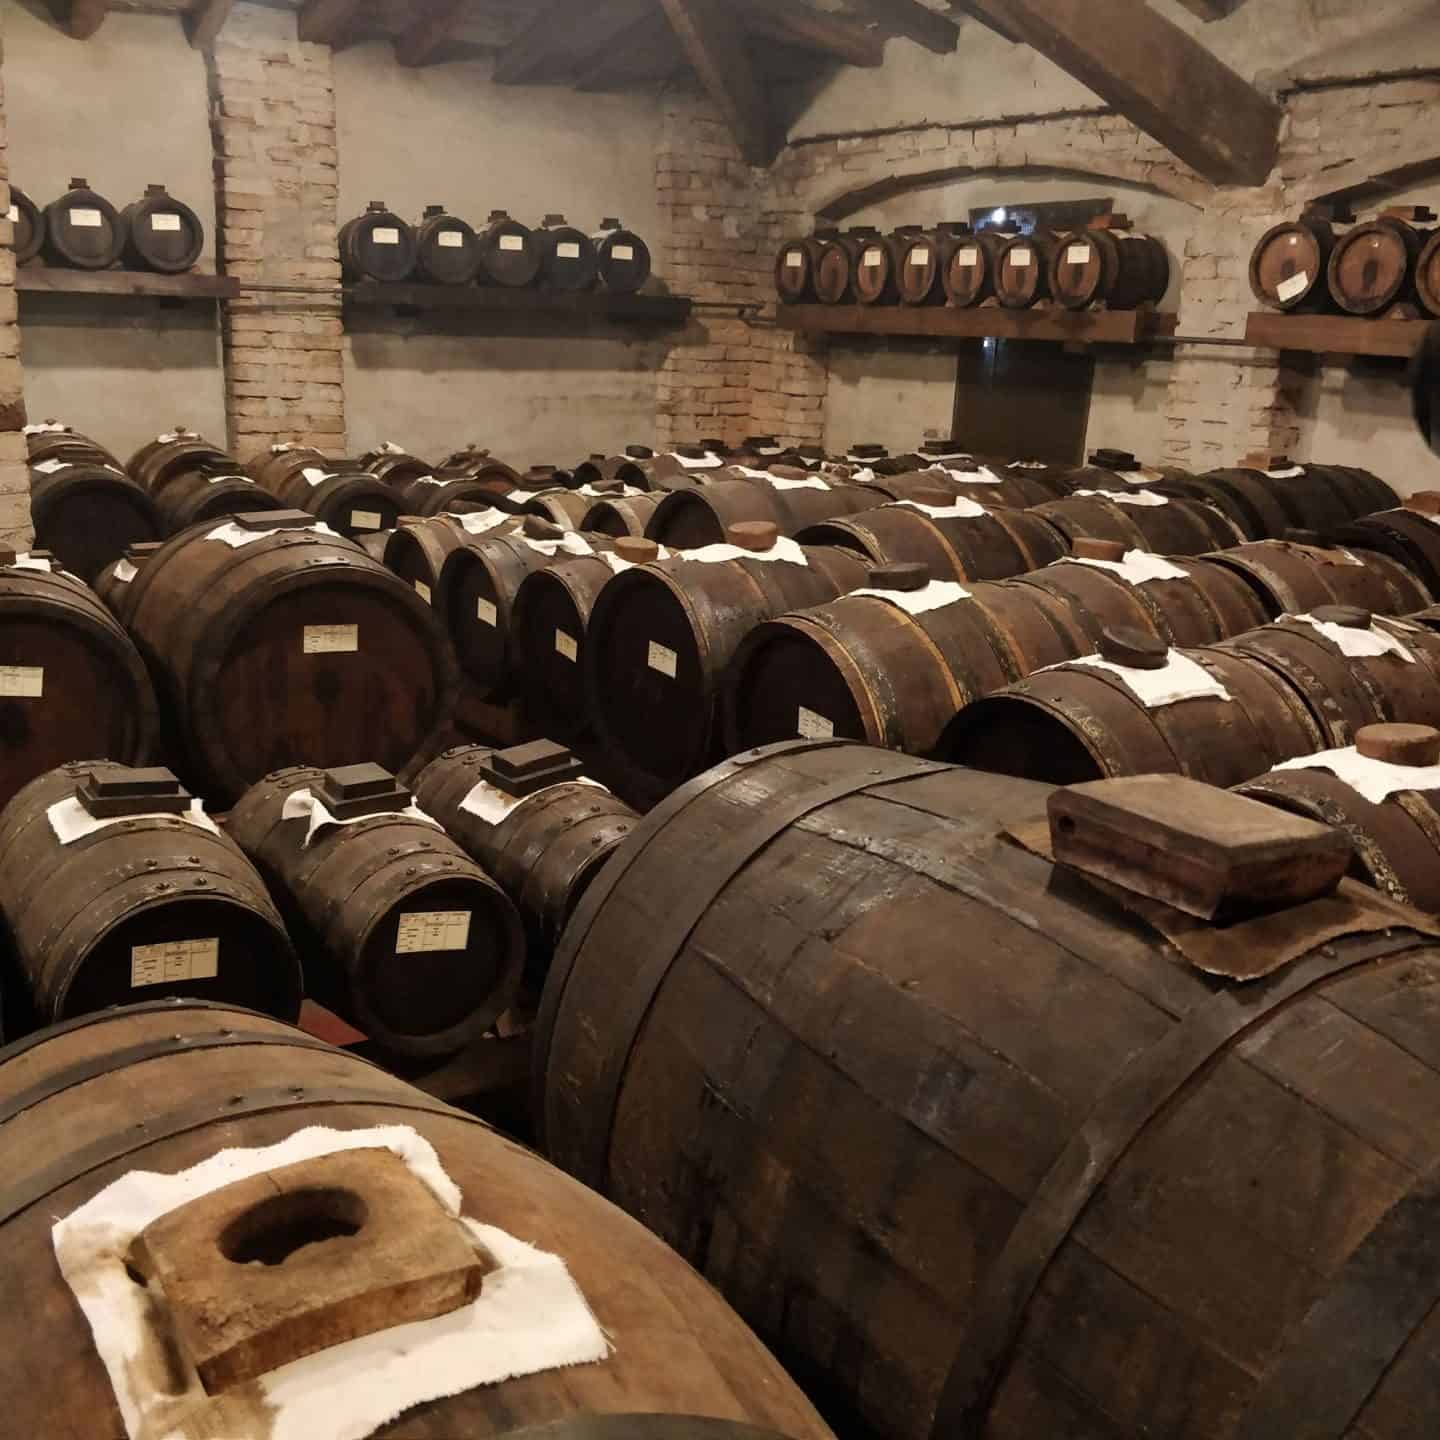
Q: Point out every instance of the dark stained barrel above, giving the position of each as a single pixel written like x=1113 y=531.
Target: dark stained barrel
x=1427 y=274
x=1142 y=520
x=529 y=817
x=350 y=501
x=191 y=497
x=1289 y=267
x=83 y=230
x=509 y=253
x=1372 y=265
x=395 y=466
x=1294 y=576
x=959 y=1129
x=161 y=233
x=1408 y=535
x=29 y=222
x=1022 y=269
x=622 y=256
x=71 y=682
x=86 y=513
x=1314 y=497
x=272 y=469
x=662 y=635
x=838 y=262
x=876 y=278
x=922 y=261
x=274 y=643
x=163 y=1088
x=617 y=515
x=969 y=274
x=377 y=245
x=791 y=500
x=118 y=888
x=563 y=508
x=418 y=548
x=796 y=268
x=1246 y=497
x=568 y=257
x=620 y=469
x=112 y=584
x=431 y=495
x=155 y=462
x=50 y=440
x=447 y=250
x=476 y=463
x=987 y=484
x=1121 y=268
x=415 y=944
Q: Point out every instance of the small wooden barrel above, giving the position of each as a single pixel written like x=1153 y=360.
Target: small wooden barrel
x=922 y=261
x=986 y=485
x=396 y=467
x=1409 y=535
x=112 y=584
x=622 y=257
x=1427 y=274
x=617 y=515
x=1372 y=265
x=1121 y=269
x=83 y=230
x=541 y=830
x=431 y=495
x=71 y=681
x=115 y=892
x=447 y=250
x=563 y=508
x=161 y=233
x=475 y=463
x=418 y=947
x=86 y=514
x=1022 y=269
x=272 y=469
x=1289 y=268
x=1296 y=577
x=688 y=519
x=377 y=245
x=177 y=450
x=509 y=254
x=194 y=496
x=836 y=281
x=1247 y=498
x=568 y=257
x=876 y=277
x=417 y=549
x=49 y=440
x=795 y=268
x=29 y=222
x=292 y=645
x=350 y=502
x=621 y=470
x=969 y=274
x=1176 y=526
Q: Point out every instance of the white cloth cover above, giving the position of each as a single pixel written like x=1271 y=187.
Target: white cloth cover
x=302 y=805
x=71 y=821
x=1136 y=568
x=481 y=520
x=981 y=475
x=1180 y=678
x=493 y=805
x=711 y=461
x=934 y=596
x=1356 y=643
x=958 y=509
x=627 y=491
x=783 y=549
x=571 y=543
x=235 y=535
x=1376 y=780
x=1127 y=497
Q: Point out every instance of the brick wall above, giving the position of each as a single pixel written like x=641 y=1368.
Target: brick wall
x=15 y=528
x=273 y=118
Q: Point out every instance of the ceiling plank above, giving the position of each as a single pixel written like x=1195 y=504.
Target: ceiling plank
x=1161 y=79
x=326 y=22
x=206 y=21
x=990 y=22
x=646 y=53
x=713 y=45
x=1212 y=9
x=794 y=22
x=80 y=19
x=913 y=21
x=563 y=41
x=421 y=42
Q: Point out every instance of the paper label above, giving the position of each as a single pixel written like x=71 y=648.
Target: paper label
x=25 y=681
x=13 y=215
x=1020 y=259
x=1078 y=255
x=164 y=222
x=873 y=256
x=920 y=255
x=331 y=639
x=364 y=520
x=314 y=475
x=174 y=960
x=385 y=235
x=1295 y=285
x=451 y=239
x=91 y=219
x=432 y=930
x=512 y=242
x=423 y=591
x=794 y=259
x=568 y=250
x=969 y=256
x=565 y=645
x=49 y=467
x=622 y=252
x=661 y=658
x=486 y=612
x=814 y=727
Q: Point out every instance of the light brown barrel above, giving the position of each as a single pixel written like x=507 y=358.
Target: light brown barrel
x=1296 y=576
x=837 y=263
x=1289 y=267
x=1373 y=265
x=397 y=467
x=172 y=452
x=795 y=268
x=271 y=469
x=970 y=268
x=412 y=941
x=350 y=501
x=292 y=646
x=876 y=279
x=1427 y=274
x=417 y=549
x=115 y=892
x=192 y=497
x=86 y=513
x=688 y=519
x=617 y=515
x=1022 y=269
x=1174 y=526
x=923 y=259
x=1121 y=268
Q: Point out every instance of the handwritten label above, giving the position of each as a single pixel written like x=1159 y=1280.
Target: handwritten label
x=385 y=235
x=49 y=467
x=622 y=252
x=423 y=591
x=164 y=222
x=813 y=726
x=794 y=259
x=565 y=645
x=364 y=520
x=424 y=930
x=486 y=612
x=90 y=219
x=22 y=681
x=451 y=239
x=1020 y=259
x=873 y=256
x=331 y=639
x=1078 y=255
x=968 y=257
x=920 y=255
x=568 y=250
x=1295 y=285
x=661 y=658
x=13 y=215
x=512 y=242
x=173 y=961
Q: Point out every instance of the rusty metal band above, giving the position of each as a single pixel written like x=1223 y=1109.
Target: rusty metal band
x=643 y=1427
x=1149 y=1083
x=168 y=1006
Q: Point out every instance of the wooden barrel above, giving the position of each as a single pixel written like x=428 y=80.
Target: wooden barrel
x=1408 y=535
x=50 y=440
x=986 y=484
x=1294 y=576
x=118 y=888
x=1289 y=268
x=447 y=250
x=377 y=245
x=1317 y=497
x=86 y=513
x=1120 y=268
x=509 y=254
x=394 y=465
x=1393 y=822
x=876 y=278
x=350 y=501
x=568 y=257
x=1216 y=714
x=1373 y=265
x=836 y=281
x=155 y=463
x=791 y=500
x=431 y=495
x=1010 y=1117
x=1022 y=269
x=71 y=682
x=1427 y=274
x=969 y=274
x=1243 y=495
x=562 y=508
x=413 y=942
x=162 y=1088
x=112 y=584
x=623 y=257
x=1142 y=520
x=530 y=818
x=83 y=230
x=161 y=233
x=622 y=469
x=289 y=645
x=272 y=469
x=662 y=635
x=796 y=266
x=922 y=261
x=29 y=222
x=617 y=515
x=474 y=462
x=418 y=547
x=194 y=496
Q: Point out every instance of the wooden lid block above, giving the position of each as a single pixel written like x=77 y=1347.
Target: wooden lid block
x=1349 y=617
x=755 y=535
x=537 y=527
x=1427 y=502
x=149 y=791
x=1205 y=851
x=636 y=550
x=1089 y=547
x=936 y=499
x=350 y=792
x=1126 y=645
x=900 y=575
x=1397 y=744
x=1114 y=460
x=523 y=769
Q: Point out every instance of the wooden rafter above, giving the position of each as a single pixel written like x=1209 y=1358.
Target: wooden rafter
x=914 y=21
x=564 y=40
x=708 y=35
x=795 y=22
x=327 y=22
x=646 y=53
x=206 y=21
x=80 y=19
x=991 y=22
x=1212 y=9
x=436 y=19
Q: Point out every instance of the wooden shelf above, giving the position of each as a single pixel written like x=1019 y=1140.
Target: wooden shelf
x=1334 y=334
x=1107 y=327
x=663 y=310
x=40 y=279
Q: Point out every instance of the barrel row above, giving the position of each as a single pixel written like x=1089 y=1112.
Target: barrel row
x=82 y=230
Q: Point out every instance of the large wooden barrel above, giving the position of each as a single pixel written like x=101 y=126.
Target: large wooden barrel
x=117 y=887
x=431 y=495
x=1313 y=497
x=986 y=484
x=377 y=245
x=623 y=257
x=791 y=500
x=475 y=463
x=275 y=643
x=191 y=497
x=349 y=500
x=155 y=463
x=1122 y=268
x=1245 y=497
x=1289 y=267
x=981 y=1145
x=1373 y=265
x=83 y=230
x=394 y=465
x=530 y=818
x=568 y=257
x=86 y=514
x=1295 y=576
x=1022 y=269
x=1408 y=535
x=112 y=584
x=509 y=254
x=161 y=233
x=71 y=682
x=447 y=250
x=272 y=468
x=969 y=274
x=29 y=222
x=162 y=1088
x=1142 y=520
x=662 y=635
x=411 y=940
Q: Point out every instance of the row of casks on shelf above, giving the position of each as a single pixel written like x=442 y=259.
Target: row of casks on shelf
x=84 y=231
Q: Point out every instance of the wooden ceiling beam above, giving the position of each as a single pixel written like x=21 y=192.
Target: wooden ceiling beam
x=1212 y=9
x=566 y=40
x=327 y=22
x=913 y=21
x=79 y=19
x=646 y=52
x=712 y=43
x=206 y=21
x=795 y=22
x=990 y=22
x=420 y=43
x=1161 y=79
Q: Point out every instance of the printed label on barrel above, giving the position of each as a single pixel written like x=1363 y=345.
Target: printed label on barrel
x=813 y=726
x=90 y=219
x=13 y=215
x=969 y=256
x=314 y=475
x=1295 y=285
x=364 y=520
x=794 y=259
x=1020 y=259
x=622 y=252
x=1078 y=255
x=872 y=257
x=164 y=222
x=173 y=961
x=331 y=639
x=486 y=612
x=661 y=658
x=512 y=242
x=568 y=250
x=565 y=645
x=385 y=235
x=423 y=591
x=451 y=239
x=432 y=930
x=22 y=681
x=920 y=255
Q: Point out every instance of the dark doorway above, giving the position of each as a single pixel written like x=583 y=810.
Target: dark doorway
x=1023 y=400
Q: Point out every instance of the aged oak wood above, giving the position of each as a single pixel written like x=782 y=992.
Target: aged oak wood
x=1334 y=334
x=1110 y=327
x=38 y=279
